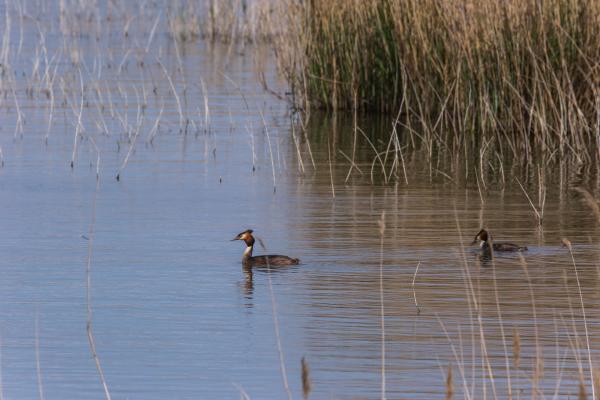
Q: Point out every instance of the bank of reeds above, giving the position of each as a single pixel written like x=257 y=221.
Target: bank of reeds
x=519 y=77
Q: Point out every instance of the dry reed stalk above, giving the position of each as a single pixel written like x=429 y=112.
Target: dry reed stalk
x=351 y=162
x=79 y=127
x=123 y=61
x=459 y=360
x=263 y=81
x=481 y=197
x=266 y=128
x=312 y=159
x=5 y=50
x=472 y=305
x=174 y=91
x=585 y=325
x=413 y=287
x=354 y=137
x=152 y=32
x=252 y=146
x=154 y=131
x=376 y=158
x=282 y=368
x=206 y=108
x=101 y=124
x=559 y=363
x=38 y=367
x=243 y=394
x=381 y=224
x=398 y=145
x=538 y=214
x=573 y=336
x=305 y=375
x=502 y=334
x=542 y=189
x=20 y=119
x=93 y=142
x=539 y=363
x=297 y=147
x=330 y=169
x=88 y=273
x=516 y=348
x=19 y=7
x=1 y=379
x=51 y=113
x=140 y=121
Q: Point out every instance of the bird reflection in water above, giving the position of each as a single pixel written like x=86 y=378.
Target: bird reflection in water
x=248 y=286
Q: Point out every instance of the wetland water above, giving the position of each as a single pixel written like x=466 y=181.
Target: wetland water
x=174 y=313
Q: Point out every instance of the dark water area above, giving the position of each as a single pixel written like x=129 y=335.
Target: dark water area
x=174 y=313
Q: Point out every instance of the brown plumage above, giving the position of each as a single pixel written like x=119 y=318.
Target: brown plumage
x=484 y=242
x=267 y=260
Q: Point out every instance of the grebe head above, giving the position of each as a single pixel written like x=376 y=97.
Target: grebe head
x=481 y=237
x=246 y=236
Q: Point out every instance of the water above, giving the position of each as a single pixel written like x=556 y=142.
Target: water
x=174 y=313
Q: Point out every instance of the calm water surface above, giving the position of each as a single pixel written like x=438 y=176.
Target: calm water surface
x=174 y=313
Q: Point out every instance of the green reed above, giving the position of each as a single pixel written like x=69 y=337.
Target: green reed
x=519 y=74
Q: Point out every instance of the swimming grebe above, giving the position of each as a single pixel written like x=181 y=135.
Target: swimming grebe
x=270 y=260
x=484 y=244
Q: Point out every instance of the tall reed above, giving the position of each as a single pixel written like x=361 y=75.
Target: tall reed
x=519 y=74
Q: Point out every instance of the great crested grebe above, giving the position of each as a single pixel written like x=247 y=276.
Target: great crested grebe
x=270 y=260
x=484 y=243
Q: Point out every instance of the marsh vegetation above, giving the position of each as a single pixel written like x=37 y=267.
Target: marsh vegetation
x=371 y=139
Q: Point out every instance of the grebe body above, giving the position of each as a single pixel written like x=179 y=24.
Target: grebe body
x=267 y=260
x=483 y=238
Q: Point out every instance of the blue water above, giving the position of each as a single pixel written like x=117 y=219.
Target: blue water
x=174 y=313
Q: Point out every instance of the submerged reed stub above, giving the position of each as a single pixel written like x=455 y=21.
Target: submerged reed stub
x=306 y=383
x=449 y=384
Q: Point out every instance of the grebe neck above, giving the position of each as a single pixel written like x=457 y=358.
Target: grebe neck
x=247 y=252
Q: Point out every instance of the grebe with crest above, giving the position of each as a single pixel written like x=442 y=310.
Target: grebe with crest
x=484 y=239
x=267 y=260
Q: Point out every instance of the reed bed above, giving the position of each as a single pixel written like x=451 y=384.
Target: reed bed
x=518 y=78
